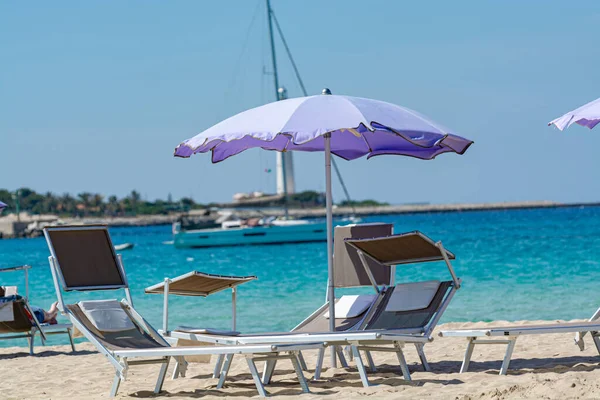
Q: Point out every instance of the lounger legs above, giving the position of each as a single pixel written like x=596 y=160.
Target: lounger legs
x=472 y=341
x=421 y=354
x=30 y=339
x=180 y=367
x=218 y=366
x=348 y=351
x=507 y=356
x=161 y=375
x=70 y=333
x=402 y=361
x=223 y=373
x=115 y=386
x=340 y=353
x=296 y=363
x=361 y=367
x=259 y=385
x=268 y=371
x=319 y=365
x=302 y=362
x=596 y=340
x=468 y=353
x=370 y=361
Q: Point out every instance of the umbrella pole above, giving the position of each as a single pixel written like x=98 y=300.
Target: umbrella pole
x=329 y=207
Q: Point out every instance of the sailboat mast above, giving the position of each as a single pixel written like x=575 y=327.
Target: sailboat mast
x=273 y=57
x=281 y=157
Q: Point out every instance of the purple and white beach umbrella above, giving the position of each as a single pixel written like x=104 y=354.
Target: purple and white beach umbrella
x=356 y=126
x=587 y=115
x=2 y=206
x=349 y=127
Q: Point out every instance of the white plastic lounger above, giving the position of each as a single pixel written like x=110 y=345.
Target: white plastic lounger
x=83 y=259
x=508 y=335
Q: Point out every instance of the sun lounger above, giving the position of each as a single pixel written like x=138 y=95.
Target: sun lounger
x=17 y=319
x=83 y=259
x=389 y=317
x=508 y=336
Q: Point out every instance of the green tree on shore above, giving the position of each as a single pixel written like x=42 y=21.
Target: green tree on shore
x=94 y=204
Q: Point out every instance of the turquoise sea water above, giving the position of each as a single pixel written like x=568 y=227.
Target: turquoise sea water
x=522 y=264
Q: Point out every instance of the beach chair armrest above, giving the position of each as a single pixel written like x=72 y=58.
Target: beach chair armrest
x=465 y=333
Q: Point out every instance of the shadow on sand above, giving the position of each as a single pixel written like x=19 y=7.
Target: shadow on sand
x=46 y=353
x=521 y=366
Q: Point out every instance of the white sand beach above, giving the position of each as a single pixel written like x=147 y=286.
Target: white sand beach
x=543 y=367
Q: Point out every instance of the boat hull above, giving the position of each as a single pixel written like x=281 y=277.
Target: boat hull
x=259 y=235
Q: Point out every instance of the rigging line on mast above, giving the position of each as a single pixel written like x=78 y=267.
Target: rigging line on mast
x=272 y=41
x=289 y=53
x=277 y=97
x=339 y=175
x=238 y=63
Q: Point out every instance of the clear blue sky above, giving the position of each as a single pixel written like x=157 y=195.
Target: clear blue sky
x=95 y=95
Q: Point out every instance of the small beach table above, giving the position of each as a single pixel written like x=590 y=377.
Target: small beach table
x=202 y=284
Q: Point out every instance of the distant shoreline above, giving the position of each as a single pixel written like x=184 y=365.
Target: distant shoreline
x=150 y=220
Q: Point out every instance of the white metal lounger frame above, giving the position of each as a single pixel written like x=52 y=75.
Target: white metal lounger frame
x=211 y=338
x=380 y=292
x=122 y=359
x=172 y=337
x=43 y=329
x=372 y=308
x=366 y=341
x=286 y=337
x=357 y=340
x=509 y=335
x=428 y=329
x=167 y=334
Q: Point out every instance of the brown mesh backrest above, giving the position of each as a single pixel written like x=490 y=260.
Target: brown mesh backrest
x=199 y=284
x=401 y=249
x=86 y=258
x=348 y=270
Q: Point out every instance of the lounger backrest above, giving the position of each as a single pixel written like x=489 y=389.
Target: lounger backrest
x=348 y=270
x=318 y=322
x=419 y=318
x=136 y=338
x=85 y=257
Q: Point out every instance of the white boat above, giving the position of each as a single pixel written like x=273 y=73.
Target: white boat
x=124 y=246
x=237 y=233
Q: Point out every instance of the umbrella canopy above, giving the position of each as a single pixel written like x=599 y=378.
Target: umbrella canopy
x=358 y=127
x=349 y=127
x=587 y=115
x=2 y=206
